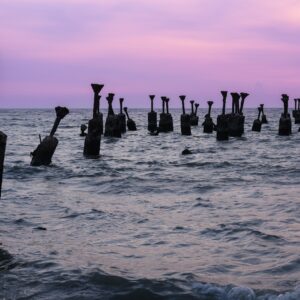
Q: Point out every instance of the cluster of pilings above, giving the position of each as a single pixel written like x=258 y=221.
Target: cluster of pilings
x=296 y=111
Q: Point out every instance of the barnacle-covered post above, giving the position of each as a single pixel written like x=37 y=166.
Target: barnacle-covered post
x=184 y=119
x=95 y=127
x=222 y=121
x=112 y=123
x=285 y=123
x=42 y=155
x=152 y=117
x=3 y=139
x=122 y=117
x=257 y=122
x=208 y=124
x=130 y=123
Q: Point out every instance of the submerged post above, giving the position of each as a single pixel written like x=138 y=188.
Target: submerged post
x=296 y=111
x=222 y=121
x=169 y=116
x=263 y=116
x=3 y=139
x=257 y=122
x=184 y=119
x=130 y=123
x=193 y=116
x=152 y=117
x=42 y=155
x=285 y=123
x=122 y=117
x=236 y=119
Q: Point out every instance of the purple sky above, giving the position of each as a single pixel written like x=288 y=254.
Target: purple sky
x=51 y=50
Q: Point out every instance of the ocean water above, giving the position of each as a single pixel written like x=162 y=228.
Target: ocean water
x=145 y=222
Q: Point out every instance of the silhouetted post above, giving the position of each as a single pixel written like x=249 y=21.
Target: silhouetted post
x=152 y=117
x=95 y=126
x=112 y=123
x=222 y=121
x=122 y=117
x=169 y=116
x=83 y=128
x=3 y=139
x=42 y=155
x=208 y=124
x=296 y=112
x=163 y=118
x=263 y=116
x=184 y=119
x=285 y=123
x=130 y=123
x=236 y=118
x=193 y=117
x=257 y=122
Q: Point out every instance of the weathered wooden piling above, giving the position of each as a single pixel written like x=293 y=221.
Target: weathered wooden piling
x=285 y=123
x=130 y=123
x=193 y=116
x=122 y=117
x=152 y=117
x=222 y=121
x=83 y=128
x=95 y=126
x=263 y=116
x=3 y=139
x=208 y=124
x=185 y=119
x=112 y=123
x=256 y=126
x=42 y=155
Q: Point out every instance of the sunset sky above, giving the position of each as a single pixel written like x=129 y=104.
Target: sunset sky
x=51 y=50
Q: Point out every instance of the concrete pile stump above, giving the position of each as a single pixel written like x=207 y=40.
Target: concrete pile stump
x=122 y=117
x=163 y=119
x=112 y=124
x=3 y=139
x=256 y=126
x=185 y=119
x=42 y=155
x=95 y=127
x=130 y=123
x=222 y=121
x=208 y=124
x=193 y=116
x=152 y=117
x=285 y=123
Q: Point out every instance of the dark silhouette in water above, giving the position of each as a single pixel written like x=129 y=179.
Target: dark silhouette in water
x=3 y=139
x=193 y=115
x=165 y=120
x=95 y=127
x=285 y=123
x=185 y=119
x=296 y=111
x=42 y=155
x=222 y=121
x=208 y=124
x=130 y=123
x=186 y=151
x=257 y=122
x=122 y=117
x=112 y=123
x=236 y=118
x=83 y=128
x=263 y=116
x=152 y=117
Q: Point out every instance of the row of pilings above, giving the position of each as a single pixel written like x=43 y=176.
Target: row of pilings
x=228 y=124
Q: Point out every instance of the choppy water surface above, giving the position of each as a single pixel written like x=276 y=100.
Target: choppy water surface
x=145 y=222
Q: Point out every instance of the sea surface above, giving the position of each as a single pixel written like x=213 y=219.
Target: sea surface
x=144 y=221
